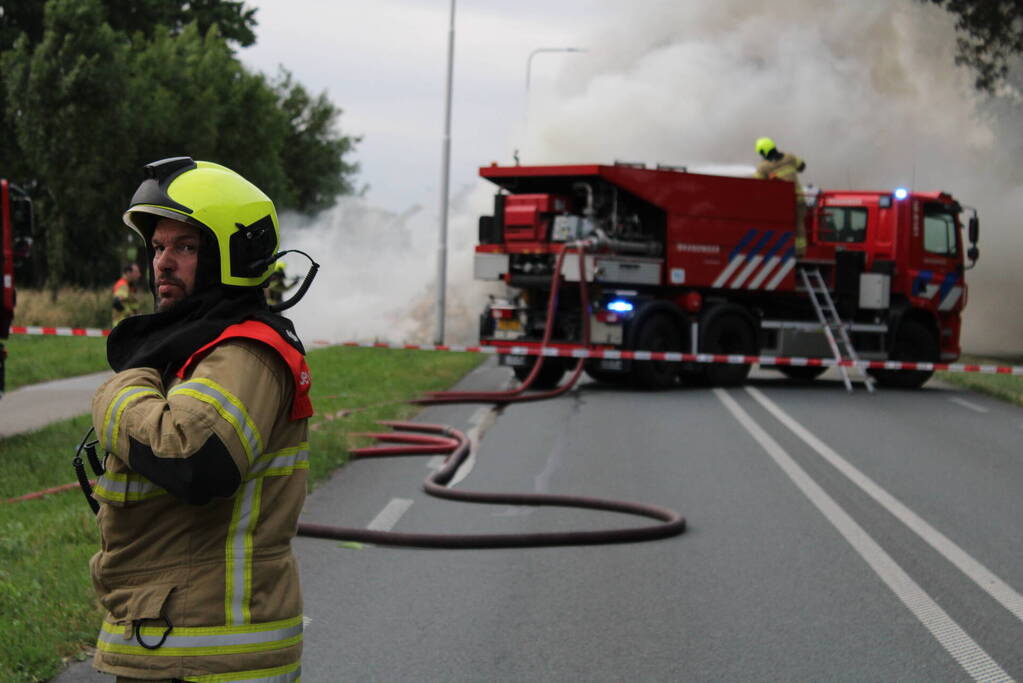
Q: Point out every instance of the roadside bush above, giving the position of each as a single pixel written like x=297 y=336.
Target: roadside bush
x=71 y=307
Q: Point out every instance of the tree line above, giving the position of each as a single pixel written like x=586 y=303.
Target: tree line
x=92 y=90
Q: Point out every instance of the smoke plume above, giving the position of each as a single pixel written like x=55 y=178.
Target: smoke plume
x=866 y=92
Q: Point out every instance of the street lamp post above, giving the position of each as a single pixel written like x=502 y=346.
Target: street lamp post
x=529 y=66
x=445 y=174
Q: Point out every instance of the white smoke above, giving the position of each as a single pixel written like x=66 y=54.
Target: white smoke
x=866 y=92
x=378 y=272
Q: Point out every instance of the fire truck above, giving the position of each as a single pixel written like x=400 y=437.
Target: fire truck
x=699 y=263
x=15 y=219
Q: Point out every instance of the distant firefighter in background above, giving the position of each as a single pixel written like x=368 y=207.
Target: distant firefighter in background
x=126 y=300
x=278 y=285
x=777 y=165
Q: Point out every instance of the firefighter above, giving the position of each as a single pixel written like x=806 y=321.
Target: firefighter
x=205 y=426
x=781 y=166
x=126 y=300
x=278 y=285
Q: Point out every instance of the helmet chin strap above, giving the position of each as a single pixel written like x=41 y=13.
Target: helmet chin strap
x=310 y=275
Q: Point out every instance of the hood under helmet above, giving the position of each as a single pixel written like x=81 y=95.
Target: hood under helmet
x=236 y=220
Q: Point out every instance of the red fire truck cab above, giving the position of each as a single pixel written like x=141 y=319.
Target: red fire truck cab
x=701 y=263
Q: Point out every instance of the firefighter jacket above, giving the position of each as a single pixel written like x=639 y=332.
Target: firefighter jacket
x=126 y=300
x=785 y=168
x=205 y=479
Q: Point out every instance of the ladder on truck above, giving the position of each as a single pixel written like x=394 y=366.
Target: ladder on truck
x=835 y=330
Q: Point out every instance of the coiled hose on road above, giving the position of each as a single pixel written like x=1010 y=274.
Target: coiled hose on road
x=424 y=439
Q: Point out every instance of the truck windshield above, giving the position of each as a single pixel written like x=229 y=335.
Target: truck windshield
x=844 y=224
x=939 y=230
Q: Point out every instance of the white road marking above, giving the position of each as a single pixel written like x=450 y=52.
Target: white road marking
x=389 y=516
x=970 y=656
x=436 y=462
x=479 y=422
x=978 y=573
x=967 y=404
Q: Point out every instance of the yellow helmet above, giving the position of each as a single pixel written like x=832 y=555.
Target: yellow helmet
x=765 y=146
x=239 y=218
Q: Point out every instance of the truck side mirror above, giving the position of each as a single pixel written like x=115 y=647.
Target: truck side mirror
x=973 y=253
x=974 y=229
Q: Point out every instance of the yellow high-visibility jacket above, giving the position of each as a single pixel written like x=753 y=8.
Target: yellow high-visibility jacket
x=205 y=480
x=125 y=293
x=785 y=168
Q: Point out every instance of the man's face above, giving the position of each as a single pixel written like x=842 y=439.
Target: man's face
x=175 y=258
x=134 y=274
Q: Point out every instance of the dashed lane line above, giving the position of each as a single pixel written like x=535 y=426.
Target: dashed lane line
x=968 y=404
x=389 y=516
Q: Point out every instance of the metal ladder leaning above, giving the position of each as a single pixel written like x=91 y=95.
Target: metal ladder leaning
x=827 y=314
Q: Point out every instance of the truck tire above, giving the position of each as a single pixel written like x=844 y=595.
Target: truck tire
x=605 y=376
x=801 y=373
x=659 y=333
x=914 y=343
x=727 y=332
x=550 y=375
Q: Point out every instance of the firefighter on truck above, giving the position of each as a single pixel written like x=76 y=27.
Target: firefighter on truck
x=709 y=264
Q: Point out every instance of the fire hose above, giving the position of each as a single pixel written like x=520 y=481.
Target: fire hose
x=459 y=446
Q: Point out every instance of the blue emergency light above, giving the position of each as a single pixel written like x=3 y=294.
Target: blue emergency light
x=620 y=306
x=901 y=193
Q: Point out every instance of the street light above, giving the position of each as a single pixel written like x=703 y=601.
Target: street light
x=534 y=53
x=445 y=175
x=529 y=69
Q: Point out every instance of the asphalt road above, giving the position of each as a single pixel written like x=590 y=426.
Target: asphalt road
x=37 y=405
x=832 y=537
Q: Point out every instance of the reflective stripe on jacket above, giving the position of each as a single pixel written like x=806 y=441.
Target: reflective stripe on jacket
x=204 y=484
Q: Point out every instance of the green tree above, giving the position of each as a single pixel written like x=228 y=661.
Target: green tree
x=313 y=154
x=68 y=119
x=990 y=37
x=96 y=103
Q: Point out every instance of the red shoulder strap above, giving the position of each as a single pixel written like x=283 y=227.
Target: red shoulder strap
x=301 y=405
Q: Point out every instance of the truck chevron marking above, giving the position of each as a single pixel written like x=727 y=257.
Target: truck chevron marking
x=772 y=260
x=734 y=259
x=754 y=259
x=788 y=263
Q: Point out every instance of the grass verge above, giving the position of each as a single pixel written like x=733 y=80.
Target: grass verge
x=32 y=359
x=1005 y=387
x=48 y=612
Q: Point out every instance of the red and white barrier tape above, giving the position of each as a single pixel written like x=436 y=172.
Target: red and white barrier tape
x=61 y=331
x=672 y=356
x=580 y=352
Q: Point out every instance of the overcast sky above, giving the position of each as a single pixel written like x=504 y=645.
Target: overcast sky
x=384 y=63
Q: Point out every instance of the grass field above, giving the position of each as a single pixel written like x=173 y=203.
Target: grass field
x=1005 y=387
x=47 y=609
x=32 y=359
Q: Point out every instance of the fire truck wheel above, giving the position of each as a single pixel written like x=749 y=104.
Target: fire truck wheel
x=659 y=333
x=550 y=373
x=801 y=373
x=605 y=376
x=727 y=333
x=914 y=343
